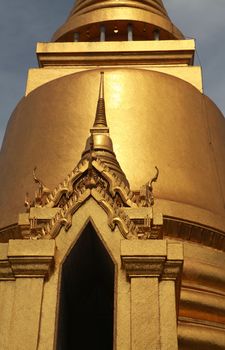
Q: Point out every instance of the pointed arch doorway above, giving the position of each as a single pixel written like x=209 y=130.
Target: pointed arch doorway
x=86 y=303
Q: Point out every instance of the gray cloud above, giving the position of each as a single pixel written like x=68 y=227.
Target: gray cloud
x=205 y=21
x=24 y=22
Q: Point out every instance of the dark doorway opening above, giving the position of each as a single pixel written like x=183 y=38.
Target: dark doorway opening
x=86 y=296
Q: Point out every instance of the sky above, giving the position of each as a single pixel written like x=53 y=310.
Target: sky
x=25 y=22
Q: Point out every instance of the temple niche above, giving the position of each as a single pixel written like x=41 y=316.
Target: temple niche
x=119 y=243
x=87 y=295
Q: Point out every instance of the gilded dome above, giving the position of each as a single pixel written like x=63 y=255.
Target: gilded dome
x=166 y=122
x=145 y=16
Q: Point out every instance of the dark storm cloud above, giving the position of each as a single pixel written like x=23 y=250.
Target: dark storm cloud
x=24 y=22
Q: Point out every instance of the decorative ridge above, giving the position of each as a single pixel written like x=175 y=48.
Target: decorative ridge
x=100 y=117
x=116 y=185
x=92 y=178
x=66 y=187
x=116 y=215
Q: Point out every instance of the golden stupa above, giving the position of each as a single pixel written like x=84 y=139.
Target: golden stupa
x=122 y=242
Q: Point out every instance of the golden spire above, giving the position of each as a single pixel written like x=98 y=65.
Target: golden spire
x=145 y=17
x=100 y=117
x=99 y=142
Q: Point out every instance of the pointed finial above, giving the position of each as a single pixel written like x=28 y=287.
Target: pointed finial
x=100 y=117
x=99 y=144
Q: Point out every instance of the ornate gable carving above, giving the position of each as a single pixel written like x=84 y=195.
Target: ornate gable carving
x=93 y=179
x=97 y=175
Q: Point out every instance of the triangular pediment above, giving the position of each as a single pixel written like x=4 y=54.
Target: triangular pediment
x=92 y=179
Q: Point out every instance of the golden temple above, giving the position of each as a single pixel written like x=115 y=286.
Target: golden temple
x=121 y=160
